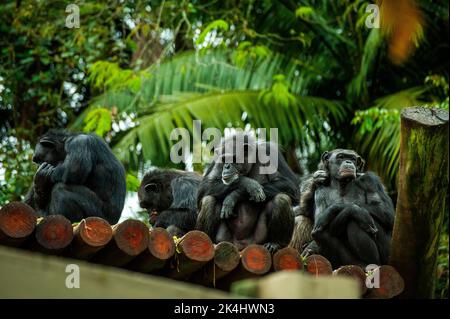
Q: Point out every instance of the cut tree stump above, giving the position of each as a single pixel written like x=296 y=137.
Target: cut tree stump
x=130 y=238
x=318 y=265
x=391 y=284
x=53 y=235
x=422 y=198
x=287 y=258
x=226 y=259
x=90 y=235
x=160 y=249
x=193 y=251
x=255 y=261
x=355 y=272
x=17 y=223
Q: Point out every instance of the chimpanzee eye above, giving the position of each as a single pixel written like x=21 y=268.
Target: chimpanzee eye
x=151 y=187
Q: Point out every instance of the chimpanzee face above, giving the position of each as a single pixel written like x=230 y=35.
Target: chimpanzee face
x=342 y=164
x=155 y=194
x=234 y=165
x=49 y=149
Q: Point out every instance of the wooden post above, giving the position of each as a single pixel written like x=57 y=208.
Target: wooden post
x=422 y=198
x=160 y=249
x=318 y=265
x=287 y=258
x=355 y=272
x=193 y=251
x=53 y=234
x=391 y=284
x=17 y=223
x=90 y=235
x=130 y=238
x=226 y=259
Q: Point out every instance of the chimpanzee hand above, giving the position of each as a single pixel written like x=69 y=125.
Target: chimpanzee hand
x=272 y=247
x=320 y=176
x=325 y=217
x=228 y=207
x=254 y=189
x=42 y=178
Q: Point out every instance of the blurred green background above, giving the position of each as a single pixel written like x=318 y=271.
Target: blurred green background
x=134 y=70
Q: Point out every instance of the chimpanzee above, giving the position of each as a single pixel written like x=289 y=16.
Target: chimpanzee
x=352 y=214
x=78 y=177
x=170 y=197
x=241 y=203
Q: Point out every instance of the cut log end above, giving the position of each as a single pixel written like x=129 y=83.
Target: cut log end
x=17 y=220
x=287 y=258
x=161 y=244
x=425 y=116
x=355 y=272
x=54 y=232
x=94 y=231
x=318 y=265
x=131 y=236
x=226 y=256
x=391 y=284
x=256 y=259
x=197 y=246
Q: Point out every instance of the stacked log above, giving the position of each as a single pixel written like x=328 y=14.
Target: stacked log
x=17 y=223
x=53 y=235
x=287 y=258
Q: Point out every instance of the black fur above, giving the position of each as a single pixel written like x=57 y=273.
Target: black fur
x=353 y=217
x=173 y=200
x=78 y=177
x=256 y=208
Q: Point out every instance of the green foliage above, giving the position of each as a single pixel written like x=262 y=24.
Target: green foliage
x=278 y=94
x=98 y=120
x=217 y=24
x=304 y=12
x=106 y=75
x=133 y=183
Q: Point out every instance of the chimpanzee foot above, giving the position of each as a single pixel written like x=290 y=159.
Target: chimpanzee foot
x=272 y=247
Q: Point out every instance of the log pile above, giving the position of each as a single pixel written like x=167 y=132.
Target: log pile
x=134 y=246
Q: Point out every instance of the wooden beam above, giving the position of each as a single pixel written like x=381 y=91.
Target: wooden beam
x=24 y=274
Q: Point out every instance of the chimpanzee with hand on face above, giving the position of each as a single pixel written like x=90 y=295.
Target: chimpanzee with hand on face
x=352 y=214
x=170 y=197
x=78 y=177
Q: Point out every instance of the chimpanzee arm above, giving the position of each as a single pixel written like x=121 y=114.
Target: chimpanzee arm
x=184 y=193
x=78 y=162
x=377 y=202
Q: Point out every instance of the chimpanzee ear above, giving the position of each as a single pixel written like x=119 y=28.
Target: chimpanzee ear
x=360 y=163
x=326 y=156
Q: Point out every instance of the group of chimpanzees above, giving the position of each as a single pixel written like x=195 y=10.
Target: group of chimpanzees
x=339 y=211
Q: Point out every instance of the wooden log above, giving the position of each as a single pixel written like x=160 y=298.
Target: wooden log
x=318 y=265
x=355 y=272
x=160 y=249
x=391 y=284
x=17 y=223
x=255 y=261
x=287 y=258
x=130 y=238
x=226 y=259
x=193 y=251
x=90 y=235
x=53 y=235
x=422 y=198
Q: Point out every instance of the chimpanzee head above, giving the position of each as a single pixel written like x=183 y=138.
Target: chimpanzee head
x=236 y=157
x=342 y=164
x=50 y=147
x=155 y=192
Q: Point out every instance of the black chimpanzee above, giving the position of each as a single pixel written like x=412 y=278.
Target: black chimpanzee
x=78 y=177
x=170 y=197
x=241 y=203
x=352 y=214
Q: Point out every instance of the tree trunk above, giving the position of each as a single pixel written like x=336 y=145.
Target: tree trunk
x=422 y=198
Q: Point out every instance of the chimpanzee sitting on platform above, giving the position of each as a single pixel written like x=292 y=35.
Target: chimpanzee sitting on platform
x=78 y=177
x=352 y=214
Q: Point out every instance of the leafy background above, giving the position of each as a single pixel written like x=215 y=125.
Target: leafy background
x=135 y=70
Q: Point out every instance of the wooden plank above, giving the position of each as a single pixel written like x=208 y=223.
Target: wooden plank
x=25 y=274
x=298 y=285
